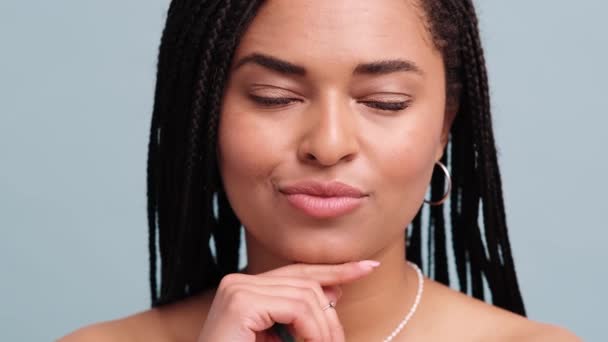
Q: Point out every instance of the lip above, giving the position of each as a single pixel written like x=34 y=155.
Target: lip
x=323 y=200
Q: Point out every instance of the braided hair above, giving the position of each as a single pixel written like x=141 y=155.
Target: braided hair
x=194 y=232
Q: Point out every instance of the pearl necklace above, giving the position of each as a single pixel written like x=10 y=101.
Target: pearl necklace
x=284 y=336
x=413 y=308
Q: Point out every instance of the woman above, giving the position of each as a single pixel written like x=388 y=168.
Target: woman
x=319 y=125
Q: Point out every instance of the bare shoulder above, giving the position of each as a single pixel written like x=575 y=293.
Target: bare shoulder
x=105 y=331
x=522 y=329
x=547 y=332
x=180 y=321
x=146 y=325
x=474 y=320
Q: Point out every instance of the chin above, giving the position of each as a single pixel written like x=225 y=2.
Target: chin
x=297 y=243
x=321 y=252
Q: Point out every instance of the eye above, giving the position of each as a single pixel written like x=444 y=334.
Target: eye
x=389 y=106
x=272 y=101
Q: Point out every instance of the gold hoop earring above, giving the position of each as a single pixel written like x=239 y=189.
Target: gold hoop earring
x=447 y=193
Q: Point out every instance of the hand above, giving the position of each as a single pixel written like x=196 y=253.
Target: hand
x=246 y=306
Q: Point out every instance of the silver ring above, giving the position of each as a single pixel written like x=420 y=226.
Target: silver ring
x=330 y=305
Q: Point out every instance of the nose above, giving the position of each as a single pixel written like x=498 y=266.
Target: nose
x=331 y=133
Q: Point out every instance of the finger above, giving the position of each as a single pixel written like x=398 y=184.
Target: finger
x=324 y=296
x=304 y=293
x=336 y=330
x=326 y=274
x=329 y=293
x=328 y=319
x=269 y=310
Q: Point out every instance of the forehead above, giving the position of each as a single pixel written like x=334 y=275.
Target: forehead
x=339 y=32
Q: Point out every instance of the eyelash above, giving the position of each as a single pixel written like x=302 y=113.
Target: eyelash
x=272 y=101
x=390 y=106
x=278 y=101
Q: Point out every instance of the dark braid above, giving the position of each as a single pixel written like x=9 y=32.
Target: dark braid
x=184 y=183
x=228 y=233
x=437 y=224
x=192 y=164
x=473 y=148
x=196 y=48
x=502 y=255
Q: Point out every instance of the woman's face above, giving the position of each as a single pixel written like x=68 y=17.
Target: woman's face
x=332 y=91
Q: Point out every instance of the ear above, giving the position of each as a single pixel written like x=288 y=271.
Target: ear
x=448 y=120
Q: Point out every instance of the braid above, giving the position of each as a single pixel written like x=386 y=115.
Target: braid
x=414 y=241
x=152 y=209
x=458 y=162
x=179 y=76
x=194 y=38
x=475 y=173
x=505 y=291
x=154 y=142
x=177 y=282
x=437 y=224
x=227 y=238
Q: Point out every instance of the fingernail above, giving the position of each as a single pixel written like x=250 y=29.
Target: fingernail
x=369 y=264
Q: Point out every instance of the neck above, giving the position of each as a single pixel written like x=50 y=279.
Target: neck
x=386 y=295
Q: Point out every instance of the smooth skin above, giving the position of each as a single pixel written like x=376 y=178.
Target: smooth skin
x=332 y=119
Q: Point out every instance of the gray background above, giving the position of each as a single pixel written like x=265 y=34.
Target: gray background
x=76 y=90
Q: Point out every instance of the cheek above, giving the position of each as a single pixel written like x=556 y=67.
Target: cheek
x=239 y=145
x=249 y=150
x=245 y=147
x=409 y=153
x=405 y=160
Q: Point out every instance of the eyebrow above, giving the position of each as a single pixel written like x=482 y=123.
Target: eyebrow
x=375 y=68
x=386 y=67
x=272 y=63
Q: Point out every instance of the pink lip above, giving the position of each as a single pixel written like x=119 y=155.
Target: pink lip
x=323 y=200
